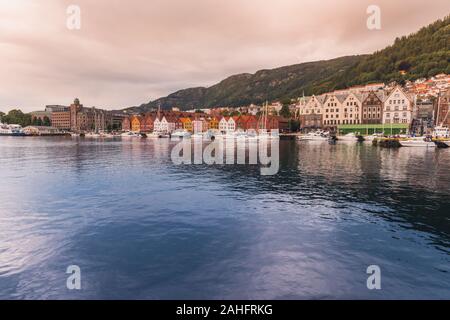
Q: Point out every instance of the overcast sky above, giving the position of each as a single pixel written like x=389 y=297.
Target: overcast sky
x=129 y=52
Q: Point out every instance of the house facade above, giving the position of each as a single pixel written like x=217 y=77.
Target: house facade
x=398 y=107
x=372 y=108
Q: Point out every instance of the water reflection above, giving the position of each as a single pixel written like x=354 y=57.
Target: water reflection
x=141 y=227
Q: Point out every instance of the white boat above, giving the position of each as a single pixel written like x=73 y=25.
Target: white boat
x=348 y=137
x=314 y=136
x=418 y=142
x=181 y=134
x=373 y=137
x=11 y=130
x=130 y=134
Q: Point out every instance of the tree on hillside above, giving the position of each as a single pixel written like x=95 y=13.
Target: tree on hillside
x=2 y=114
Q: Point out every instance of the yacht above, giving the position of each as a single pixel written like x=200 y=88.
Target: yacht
x=418 y=142
x=314 y=136
x=11 y=130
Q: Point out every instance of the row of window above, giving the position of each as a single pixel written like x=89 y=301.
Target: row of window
x=396 y=120
x=338 y=122
x=404 y=114
x=371 y=116
x=396 y=108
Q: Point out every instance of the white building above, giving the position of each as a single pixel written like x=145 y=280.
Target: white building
x=398 y=107
x=227 y=124
x=351 y=107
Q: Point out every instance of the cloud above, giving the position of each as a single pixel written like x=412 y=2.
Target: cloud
x=127 y=53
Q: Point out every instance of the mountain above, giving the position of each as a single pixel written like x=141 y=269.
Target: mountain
x=422 y=54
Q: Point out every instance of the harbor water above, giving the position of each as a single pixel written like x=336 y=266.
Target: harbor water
x=140 y=227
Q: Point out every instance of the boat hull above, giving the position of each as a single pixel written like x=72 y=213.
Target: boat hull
x=418 y=144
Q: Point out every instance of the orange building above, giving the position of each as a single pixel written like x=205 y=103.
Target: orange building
x=213 y=123
x=136 y=123
x=187 y=124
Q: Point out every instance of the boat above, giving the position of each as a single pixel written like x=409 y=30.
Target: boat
x=130 y=134
x=92 y=135
x=181 y=134
x=349 y=137
x=418 y=142
x=11 y=130
x=314 y=136
x=372 y=137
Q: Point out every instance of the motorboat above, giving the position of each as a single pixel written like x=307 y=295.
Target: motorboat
x=418 y=142
x=181 y=134
x=314 y=136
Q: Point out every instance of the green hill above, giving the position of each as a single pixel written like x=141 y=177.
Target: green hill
x=422 y=54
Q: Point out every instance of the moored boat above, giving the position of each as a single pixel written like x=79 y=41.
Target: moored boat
x=11 y=130
x=314 y=136
x=181 y=134
x=421 y=142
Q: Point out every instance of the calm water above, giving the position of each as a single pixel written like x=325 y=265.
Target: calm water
x=140 y=227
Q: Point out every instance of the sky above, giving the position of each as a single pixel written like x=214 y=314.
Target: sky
x=126 y=53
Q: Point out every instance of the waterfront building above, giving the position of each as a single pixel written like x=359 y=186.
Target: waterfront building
x=443 y=109
x=187 y=124
x=136 y=123
x=333 y=110
x=41 y=115
x=86 y=119
x=223 y=124
x=56 y=108
x=61 y=119
x=213 y=123
x=231 y=124
x=147 y=122
x=126 y=124
x=372 y=108
x=351 y=109
x=398 y=107
x=311 y=111
x=198 y=126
